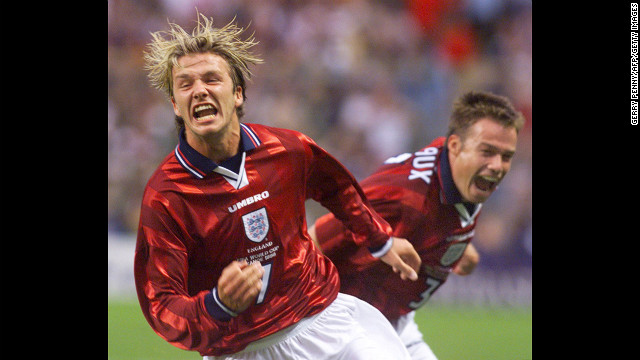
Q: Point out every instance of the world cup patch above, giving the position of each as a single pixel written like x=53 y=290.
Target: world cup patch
x=256 y=225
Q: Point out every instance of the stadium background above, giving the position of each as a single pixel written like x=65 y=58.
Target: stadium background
x=367 y=80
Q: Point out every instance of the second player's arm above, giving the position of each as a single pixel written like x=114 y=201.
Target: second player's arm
x=336 y=189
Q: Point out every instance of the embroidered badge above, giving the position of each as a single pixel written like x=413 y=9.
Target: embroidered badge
x=453 y=253
x=256 y=225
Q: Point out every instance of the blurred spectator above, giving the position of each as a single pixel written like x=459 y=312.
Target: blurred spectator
x=366 y=79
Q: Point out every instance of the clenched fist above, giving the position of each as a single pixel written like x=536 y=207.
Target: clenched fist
x=239 y=285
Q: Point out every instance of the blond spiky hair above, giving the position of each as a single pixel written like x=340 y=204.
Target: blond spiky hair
x=168 y=46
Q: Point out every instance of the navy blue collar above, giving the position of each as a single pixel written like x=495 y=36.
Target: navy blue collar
x=199 y=165
x=450 y=193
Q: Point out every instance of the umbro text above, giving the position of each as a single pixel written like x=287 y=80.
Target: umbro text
x=248 y=201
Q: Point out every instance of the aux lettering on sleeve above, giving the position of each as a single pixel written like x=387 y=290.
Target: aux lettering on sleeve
x=423 y=163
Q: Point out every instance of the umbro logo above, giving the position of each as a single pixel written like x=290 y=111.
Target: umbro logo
x=248 y=201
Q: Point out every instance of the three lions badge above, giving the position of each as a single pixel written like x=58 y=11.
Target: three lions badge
x=256 y=225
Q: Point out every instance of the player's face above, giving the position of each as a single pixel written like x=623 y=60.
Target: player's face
x=204 y=95
x=480 y=162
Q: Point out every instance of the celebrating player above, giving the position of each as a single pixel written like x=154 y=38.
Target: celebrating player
x=223 y=262
x=432 y=198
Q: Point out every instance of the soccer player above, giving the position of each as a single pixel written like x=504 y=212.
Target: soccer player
x=432 y=198
x=223 y=262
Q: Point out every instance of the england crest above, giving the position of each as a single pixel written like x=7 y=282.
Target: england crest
x=256 y=225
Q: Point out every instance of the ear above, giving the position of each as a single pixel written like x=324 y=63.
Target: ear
x=175 y=107
x=454 y=144
x=239 y=96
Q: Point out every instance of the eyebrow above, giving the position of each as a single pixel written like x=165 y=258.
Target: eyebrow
x=189 y=75
x=183 y=76
x=497 y=149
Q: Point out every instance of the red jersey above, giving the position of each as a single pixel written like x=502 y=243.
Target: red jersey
x=416 y=195
x=198 y=216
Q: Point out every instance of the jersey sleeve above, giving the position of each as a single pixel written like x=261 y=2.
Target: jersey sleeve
x=160 y=271
x=334 y=237
x=333 y=186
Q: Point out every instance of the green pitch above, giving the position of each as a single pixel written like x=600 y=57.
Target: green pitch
x=452 y=332
x=477 y=333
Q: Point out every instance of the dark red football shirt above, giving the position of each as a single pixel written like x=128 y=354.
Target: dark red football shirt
x=416 y=195
x=198 y=216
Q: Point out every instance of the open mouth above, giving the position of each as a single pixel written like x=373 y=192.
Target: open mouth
x=205 y=112
x=486 y=183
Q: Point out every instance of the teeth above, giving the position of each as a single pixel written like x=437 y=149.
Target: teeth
x=490 y=178
x=203 y=107
x=198 y=112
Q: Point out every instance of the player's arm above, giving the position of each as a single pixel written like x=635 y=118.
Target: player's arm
x=181 y=319
x=468 y=261
x=400 y=256
x=335 y=188
x=160 y=268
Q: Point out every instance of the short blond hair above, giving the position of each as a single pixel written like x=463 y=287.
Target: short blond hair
x=167 y=47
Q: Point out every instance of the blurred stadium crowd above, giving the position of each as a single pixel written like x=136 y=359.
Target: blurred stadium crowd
x=366 y=79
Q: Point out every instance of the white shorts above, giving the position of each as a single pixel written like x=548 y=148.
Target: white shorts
x=412 y=338
x=348 y=329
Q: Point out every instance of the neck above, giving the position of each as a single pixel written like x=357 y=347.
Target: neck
x=219 y=146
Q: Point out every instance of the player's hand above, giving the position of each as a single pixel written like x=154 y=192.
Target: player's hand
x=468 y=261
x=403 y=258
x=239 y=284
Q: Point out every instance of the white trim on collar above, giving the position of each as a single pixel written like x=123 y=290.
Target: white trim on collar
x=238 y=180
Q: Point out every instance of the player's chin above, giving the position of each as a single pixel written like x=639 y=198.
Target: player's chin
x=479 y=195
